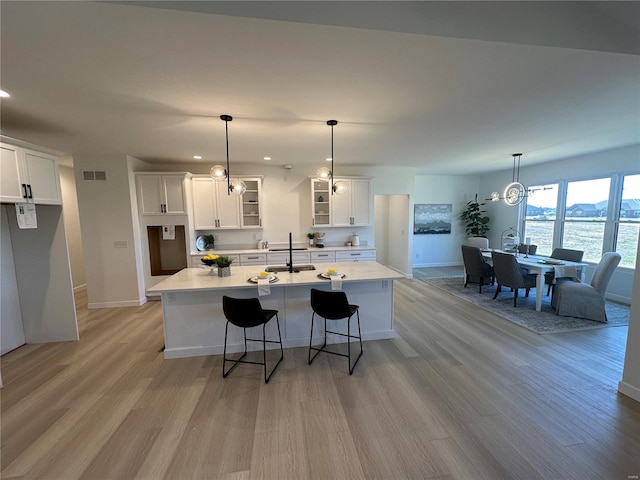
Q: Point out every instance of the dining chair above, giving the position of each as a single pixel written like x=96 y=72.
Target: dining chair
x=561 y=254
x=476 y=267
x=586 y=300
x=509 y=274
x=479 y=242
x=530 y=251
x=334 y=305
x=248 y=313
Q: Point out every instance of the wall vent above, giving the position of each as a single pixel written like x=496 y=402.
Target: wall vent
x=94 y=175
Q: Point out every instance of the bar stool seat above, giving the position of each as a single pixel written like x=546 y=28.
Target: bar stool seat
x=248 y=313
x=334 y=306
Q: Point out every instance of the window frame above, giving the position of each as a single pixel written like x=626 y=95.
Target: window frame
x=611 y=223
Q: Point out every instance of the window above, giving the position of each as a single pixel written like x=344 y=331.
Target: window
x=541 y=216
x=629 y=221
x=585 y=216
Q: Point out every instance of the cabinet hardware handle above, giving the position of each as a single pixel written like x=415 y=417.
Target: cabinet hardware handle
x=326 y=255
x=355 y=254
x=30 y=192
x=24 y=190
x=252 y=258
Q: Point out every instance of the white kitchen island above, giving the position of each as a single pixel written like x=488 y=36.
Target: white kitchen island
x=194 y=322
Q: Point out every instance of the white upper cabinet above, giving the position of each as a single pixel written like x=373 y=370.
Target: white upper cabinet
x=347 y=210
x=251 y=214
x=215 y=209
x=28 y=176
x=320 y=203
x=161 y=194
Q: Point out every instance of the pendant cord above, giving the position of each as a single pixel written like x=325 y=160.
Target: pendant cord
x=332 y=123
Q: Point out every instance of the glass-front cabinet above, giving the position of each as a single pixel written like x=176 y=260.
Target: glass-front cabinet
x=347 y=210
x=320 y=206
x=251 y=203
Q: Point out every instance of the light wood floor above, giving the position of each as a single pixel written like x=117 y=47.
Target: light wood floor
x=459 y=394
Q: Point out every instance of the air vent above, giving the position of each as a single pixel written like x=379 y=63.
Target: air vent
x=94 y=175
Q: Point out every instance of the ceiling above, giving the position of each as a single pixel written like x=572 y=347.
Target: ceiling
x=443 y=87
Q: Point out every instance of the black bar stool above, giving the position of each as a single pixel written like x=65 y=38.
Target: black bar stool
x=247 y=313
x=334 y=306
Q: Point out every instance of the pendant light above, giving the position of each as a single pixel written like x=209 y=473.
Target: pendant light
x=219 y=173
x=324 y=174
x=515 y=192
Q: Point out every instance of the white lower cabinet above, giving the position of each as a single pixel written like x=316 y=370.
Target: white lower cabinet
x=323 y=257
x=282 y=258
x=356 y=256
x=253 y=259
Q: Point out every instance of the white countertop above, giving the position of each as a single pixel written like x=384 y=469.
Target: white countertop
x=256 y=250
x=191 y=279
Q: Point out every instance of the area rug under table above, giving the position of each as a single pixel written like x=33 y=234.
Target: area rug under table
x=525 y=315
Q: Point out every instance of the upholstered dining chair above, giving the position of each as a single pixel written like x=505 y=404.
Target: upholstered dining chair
x=248 y=313
x=561 y=254
x=531 y=251
x=509 y=274
x=476 y=267
x=586 y=300
x=479 y=242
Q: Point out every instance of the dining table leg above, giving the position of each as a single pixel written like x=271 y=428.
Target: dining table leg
x=539 y=288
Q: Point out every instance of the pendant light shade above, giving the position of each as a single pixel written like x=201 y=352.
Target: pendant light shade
x=239 y=187
x=219 y=173
x=323 y=174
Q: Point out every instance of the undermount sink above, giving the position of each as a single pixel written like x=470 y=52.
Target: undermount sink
x=284 y=268
x=285 y=249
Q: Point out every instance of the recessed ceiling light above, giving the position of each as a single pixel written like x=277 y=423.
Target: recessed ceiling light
x=267 y=158
x=198 y=157
x=4 y=94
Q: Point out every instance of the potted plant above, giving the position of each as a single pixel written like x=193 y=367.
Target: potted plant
x=310 y=236
x=209 y=242
x=224 y=265
x=475 y=222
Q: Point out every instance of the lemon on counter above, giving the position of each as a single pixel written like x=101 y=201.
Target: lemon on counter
x=331 y=271
x=264 y=274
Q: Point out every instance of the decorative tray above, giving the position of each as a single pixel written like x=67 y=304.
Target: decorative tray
x=326 y=276
x=272 y=279
x=551 y=262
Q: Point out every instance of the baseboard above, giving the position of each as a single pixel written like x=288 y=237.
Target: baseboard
x=79 y=288
x=406 y=275
x=446 y=264
x=184 y=352
x=128 y=303
x=629 y=390
x=619 y=299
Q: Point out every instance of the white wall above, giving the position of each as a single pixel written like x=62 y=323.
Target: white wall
x=43 y=276
x=107 y=220
x=630 y=383
x=442 y=250
x=72 y=226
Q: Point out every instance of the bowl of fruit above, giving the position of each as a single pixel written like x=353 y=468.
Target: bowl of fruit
x=210 y=259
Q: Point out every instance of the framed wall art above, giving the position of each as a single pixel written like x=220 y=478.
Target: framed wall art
x=432 y=218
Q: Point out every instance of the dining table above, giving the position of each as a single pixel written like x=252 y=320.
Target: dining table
x=539 y=265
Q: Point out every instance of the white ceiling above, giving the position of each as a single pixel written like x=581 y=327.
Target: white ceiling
x=444 y=87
